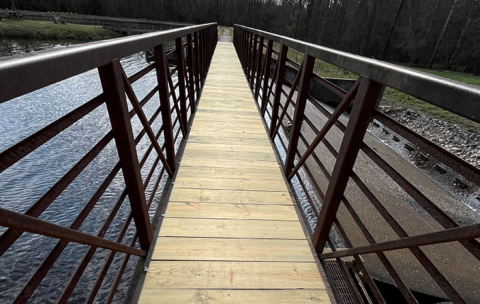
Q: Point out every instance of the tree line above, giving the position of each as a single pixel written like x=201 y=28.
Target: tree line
x=440 y=34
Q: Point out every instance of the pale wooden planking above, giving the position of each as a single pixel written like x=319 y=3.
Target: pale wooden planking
x=231 y=211
x=172 y=296
x=230 y=223
x=230 y=196
x=229 y=155
x=213 y=228
x=232 y=275
x=218 y=249
x=230 y=141
x=189 y=171
x=230 y=183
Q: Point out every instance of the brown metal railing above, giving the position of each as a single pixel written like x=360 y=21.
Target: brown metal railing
x=22 y=74
x=307 y=143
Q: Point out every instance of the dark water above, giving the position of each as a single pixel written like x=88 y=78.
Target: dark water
x=24 y=183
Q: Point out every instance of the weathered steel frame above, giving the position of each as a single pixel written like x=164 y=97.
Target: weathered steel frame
x=60 y=64
x=364 y=95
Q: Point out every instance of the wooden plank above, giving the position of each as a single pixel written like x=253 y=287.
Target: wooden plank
x=172 y=296
x=229 y=141
x=229 y=124
x=210 y=228
x=247 y=250
x=252 y=156
x=232 y=275
x=231 y=211
x=227 y=147
x=230 y=196
x=232 y=132
x=249 y=173
x=230 y=183
x=245 y=134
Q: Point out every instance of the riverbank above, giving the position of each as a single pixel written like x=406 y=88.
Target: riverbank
x=49 y=30
x=450 y=136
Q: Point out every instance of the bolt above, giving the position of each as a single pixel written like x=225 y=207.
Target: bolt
x=145 y=269
x=163 y=214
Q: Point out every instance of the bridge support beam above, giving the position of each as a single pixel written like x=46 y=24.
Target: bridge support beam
x=112 y=84
x=181 y=81
x=304 y=88
x=363 y=106
x=162 y=70
x=279 y=77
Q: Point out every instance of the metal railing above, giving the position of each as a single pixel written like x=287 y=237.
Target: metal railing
x=339 y=184
x=29 y=72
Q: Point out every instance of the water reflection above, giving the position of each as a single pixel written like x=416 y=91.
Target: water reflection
x=28 y=180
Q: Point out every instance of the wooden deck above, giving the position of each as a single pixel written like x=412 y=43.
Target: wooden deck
x=230 y=233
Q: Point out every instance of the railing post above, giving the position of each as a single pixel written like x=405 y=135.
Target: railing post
x=191 y=82
x=266 y=76
x=162 y=70
x=281 y=60
x=363 y=107
x=114 y=91
x=253 y=60
x=303 y=89
x=259 y=68
x=181 y=81
x=248 y=55
x=197 y=62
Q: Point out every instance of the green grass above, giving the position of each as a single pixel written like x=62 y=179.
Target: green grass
x=50 y=30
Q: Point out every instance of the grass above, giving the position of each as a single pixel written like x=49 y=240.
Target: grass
x=50 y=30
x=397 y=99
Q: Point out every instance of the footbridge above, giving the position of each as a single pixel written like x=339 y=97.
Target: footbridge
x=223 y=180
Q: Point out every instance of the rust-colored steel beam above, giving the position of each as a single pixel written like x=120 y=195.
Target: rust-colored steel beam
x=191 y=76
x=347 y=100
x=143 y=119
x=10 y=236
x=363 y=107
x=162 y=70
x=301 y=103
x=438 y=237
x=181 y=83
x=258 y=68
x=32 y=142
x=22 y=222
x=112 y=84
x=196 y=40
x=278 y=87
x=287 y=103
x=266 y=76
x=48 y=262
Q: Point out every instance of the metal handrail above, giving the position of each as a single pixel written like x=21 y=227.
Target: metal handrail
x=47 y=67
x=454 y=96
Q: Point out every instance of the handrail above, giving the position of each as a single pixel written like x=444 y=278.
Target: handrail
x=47 y=67
x=450 y=95
x=28 y=72
x=368 y=209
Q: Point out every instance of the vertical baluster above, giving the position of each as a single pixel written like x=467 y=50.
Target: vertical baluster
x=266 y=76
x=181 y=81
x=162 y=70
x=281 y=60
x=303 y=89
x=253 y=60
x=114 y=91
x=197 y=63
x=367 y=96
x=191 y=88
x=259 y=68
